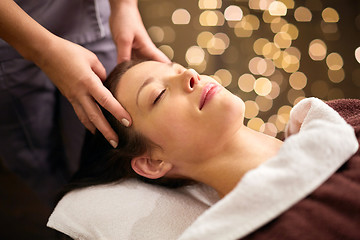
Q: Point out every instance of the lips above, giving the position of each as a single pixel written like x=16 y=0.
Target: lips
x=208 y=92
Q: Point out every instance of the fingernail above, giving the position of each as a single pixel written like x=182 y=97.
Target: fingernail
x=125 y=122
x=113 y=143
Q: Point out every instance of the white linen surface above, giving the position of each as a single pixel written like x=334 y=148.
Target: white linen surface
x=134 y=210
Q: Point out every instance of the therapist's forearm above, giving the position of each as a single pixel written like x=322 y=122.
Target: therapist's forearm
x=22 y=32
x=116 y=3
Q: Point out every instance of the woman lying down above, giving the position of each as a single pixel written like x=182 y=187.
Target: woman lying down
x=187 y=128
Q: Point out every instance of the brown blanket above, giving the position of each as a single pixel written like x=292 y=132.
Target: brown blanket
x=333 y=210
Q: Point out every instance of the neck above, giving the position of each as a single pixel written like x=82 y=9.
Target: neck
x=246 y=150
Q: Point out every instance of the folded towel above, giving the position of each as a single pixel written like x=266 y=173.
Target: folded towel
x=319 y=142
x=135 y=210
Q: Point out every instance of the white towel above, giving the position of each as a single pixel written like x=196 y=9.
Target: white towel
x=306 y=160
x=134 y=210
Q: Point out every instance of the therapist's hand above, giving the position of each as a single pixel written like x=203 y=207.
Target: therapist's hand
x=129 y=33
x=78 y=74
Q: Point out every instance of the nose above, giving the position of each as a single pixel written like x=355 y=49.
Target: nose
x=190 y=79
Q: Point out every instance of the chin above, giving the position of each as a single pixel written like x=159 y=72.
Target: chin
x=230 y=114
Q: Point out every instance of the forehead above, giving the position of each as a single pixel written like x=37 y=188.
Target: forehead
x=133 y=78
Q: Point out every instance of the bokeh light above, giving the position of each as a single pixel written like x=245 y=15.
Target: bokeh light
x=233 y=13
x=330 y=15
x=317 y=50
x=181 y=16
x=357 y=54
x=303 y=14
x=195 y=55
x=271 y=53
x=334 y=61
x=277 y=8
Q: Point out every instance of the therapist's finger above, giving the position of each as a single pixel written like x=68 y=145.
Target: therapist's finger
x=148 y=50
x=83 y=117
x=104 y=97
x=97 y=118
x=124 y=48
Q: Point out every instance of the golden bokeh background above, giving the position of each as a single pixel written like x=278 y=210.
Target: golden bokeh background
x=271 y=53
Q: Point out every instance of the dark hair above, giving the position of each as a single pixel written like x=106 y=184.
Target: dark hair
x=101 y=163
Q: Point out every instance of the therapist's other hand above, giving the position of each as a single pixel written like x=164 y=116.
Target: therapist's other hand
x=129 y=33
x=78 y=74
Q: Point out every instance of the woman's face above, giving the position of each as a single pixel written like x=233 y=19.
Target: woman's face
x=187 y=115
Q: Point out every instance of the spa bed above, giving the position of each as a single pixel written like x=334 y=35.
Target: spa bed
x=310 y=190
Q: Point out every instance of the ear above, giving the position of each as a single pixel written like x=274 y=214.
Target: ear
x=149 y=168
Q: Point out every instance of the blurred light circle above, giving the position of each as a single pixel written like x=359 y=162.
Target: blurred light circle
x=277 y=23
x=259 y=45
x=317 y=50
x=168 y=51
x=294 y=52
x=357 y=54
x=225 y=76
x=195 y=55
x=203 y=38
x=270 y=67
x=246 y=82
x=180 y=16
x=224 y=37
x=255 y=123
x=211 y=18
x=156 y=34
x=210 y=4
x=289 y=3
x=284 y=113
x=254 y=4
x=328 y=28
x=297 y=100
x=253 y=65
x=233 y=13
x=270 y=50
x=298 y=80
x=269 y=129
x=264 y=103
x=302 y=14
x=216 y=46
x=334 y=61
x=275 y=90
x=282 y=40
x=293 y=95
x=200 y=68
x=336 y=76
x=169 y=34
x=290 y=63
x=268 y=18
x=330 y=15
x=277 y=8
x=251 y=109
x=243 y=29
x=252 y=21
x=262 y=86
x=290 y=29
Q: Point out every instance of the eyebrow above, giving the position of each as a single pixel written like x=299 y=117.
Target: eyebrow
x=147 y=82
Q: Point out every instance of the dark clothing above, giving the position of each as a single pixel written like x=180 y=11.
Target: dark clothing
x=40 y=135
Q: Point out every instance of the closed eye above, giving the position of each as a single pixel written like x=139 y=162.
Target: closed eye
x=159 y=96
